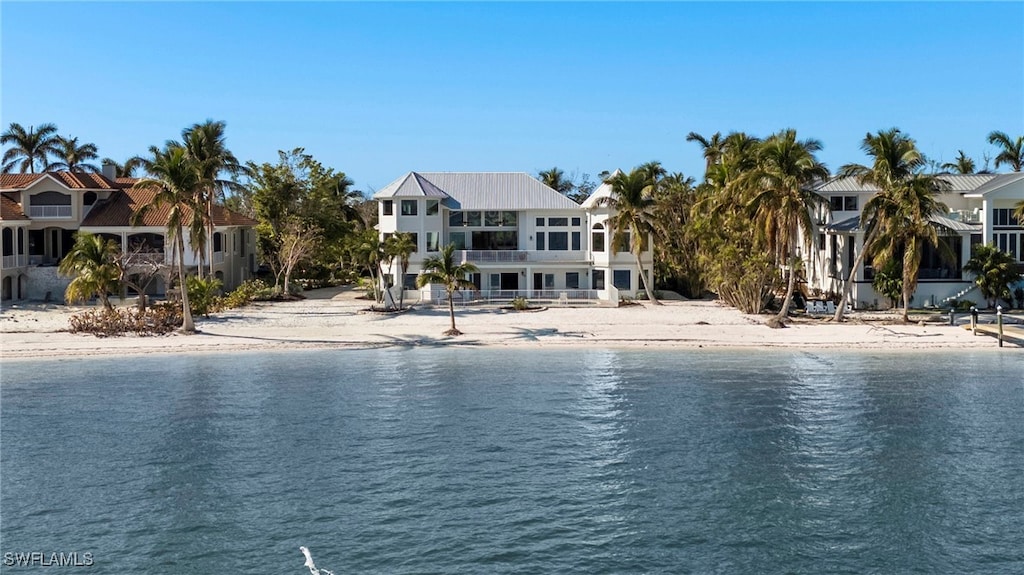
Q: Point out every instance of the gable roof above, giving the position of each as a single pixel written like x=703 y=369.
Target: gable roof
x=117 y=211
x=602 y=191
x=997 y=182
x=70 y=180
x=11 y=210
x=479 y=191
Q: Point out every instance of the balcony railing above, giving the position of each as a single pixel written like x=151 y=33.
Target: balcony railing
x=504 y=296
x=15 y=261
x=49 y=212
x=519 y=256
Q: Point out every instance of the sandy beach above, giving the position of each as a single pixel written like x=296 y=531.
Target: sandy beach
x=337 y=318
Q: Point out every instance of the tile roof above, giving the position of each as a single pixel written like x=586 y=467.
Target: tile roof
x=481 y=190
x=10 y=209
x=70 y=180
x=117 y=211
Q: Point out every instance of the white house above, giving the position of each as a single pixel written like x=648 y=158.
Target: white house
x=526 y=238
x=980 y=211
x=40 y=213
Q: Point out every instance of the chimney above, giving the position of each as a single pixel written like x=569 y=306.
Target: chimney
x=109 y=171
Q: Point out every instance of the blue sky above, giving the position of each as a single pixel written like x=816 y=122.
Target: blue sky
x=378 y=89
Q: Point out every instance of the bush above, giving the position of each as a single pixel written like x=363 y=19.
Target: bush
x=246 y=293
x=203 y=294
x=520 y=303
x=157 y=320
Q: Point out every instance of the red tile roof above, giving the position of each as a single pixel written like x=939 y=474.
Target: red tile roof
x=10 y=209
x=72 y=180
x=122 y=205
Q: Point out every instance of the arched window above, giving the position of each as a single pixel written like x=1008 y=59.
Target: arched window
x=597 y=238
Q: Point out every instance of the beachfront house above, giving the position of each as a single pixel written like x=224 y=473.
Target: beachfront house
x=526 y=239
x=980 y=211
x=40 y=214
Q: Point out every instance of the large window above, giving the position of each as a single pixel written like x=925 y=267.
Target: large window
x=597 y=238
x=597 y=279
x=576 y=241
x=572 y=280
x=432 y=207
x=1004 y=217
x=410 y=282
x=620 y=279
x=473 y=219
x=540 y=241
x=387 y=207
x=409 y=207
x=456 y=219
x=488 y=240
x=415 y=237
x=433 y=241
x=842 y=203
x=458 y=239
x=558 y=241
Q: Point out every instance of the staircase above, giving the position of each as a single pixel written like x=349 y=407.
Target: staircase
x=959 y=295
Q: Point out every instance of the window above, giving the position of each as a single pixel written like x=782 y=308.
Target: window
x=620 y=279
x=558 y=241
x=458 y=239
x=387 y=207
x=410 y=282
x=575 y=221
x=432 y=207
x=624 y=242
x=558 y=222
x=409 y=207
x=842 y=203
x=495 y=281
x=509 y=218
x=821 y=241
x=415 y=240
x=597 y=281
x=218 y=242
x=473 y=219
x=455 y=219
x=1004 y=217
x=597 y=241
x=576 y=241
x=433 y=241
x=540 y=241
x=492 y=218
x=540 y=222
x=549 y=281
x=572 y=280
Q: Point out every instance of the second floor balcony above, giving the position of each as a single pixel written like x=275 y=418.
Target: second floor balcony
x=49 y=212
x=519 y=256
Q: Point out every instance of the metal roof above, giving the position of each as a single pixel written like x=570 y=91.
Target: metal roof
x=851 y=224
x=480 y=190
x=998 y=181
x=959 y=183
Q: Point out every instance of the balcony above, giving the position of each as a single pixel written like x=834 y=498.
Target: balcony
x=15 y=261
x=49 y=212
x=965 y=216
x=520 y=257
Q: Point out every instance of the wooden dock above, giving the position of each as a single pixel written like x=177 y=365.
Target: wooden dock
x=1012 y=333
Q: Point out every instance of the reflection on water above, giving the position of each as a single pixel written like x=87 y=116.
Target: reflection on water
x=520 y=461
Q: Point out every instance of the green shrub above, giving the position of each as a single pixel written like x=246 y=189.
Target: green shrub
x=246 y=293
x=520 y=303
x=203 y=294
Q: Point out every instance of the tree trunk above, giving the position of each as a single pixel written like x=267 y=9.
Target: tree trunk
x=105 y=300
x=791 y=285
x=401 y=294
x=451 y=311
x=643 y=281
x=287 y=280
x=848 y=284
x=209 y=228
x=187 y=325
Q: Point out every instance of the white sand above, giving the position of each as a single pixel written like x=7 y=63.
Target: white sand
x=333 y=318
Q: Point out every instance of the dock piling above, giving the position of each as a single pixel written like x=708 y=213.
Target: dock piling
x=999 y=322
x=974 y=320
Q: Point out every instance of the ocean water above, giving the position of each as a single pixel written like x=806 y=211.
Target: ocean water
x=492 y=461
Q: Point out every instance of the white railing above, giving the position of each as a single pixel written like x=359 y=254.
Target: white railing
x=15 y=261
x=49 y=212
x=966 y=216
x=520 y=256
x=501 y=296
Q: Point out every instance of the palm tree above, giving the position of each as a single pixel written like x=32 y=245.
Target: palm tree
x=28 y=147
x=442 y=269
x=908 y=228
x=633 y=205
x=400 y=247
x=174 y=177
x=783 y=203
x=206 y=146
x=962 y=165
x=556 y=180
x=712 y=148
x=93 y=263
x=994 y=271
x=127 y=169
x=1012 y=150
x=73 y=156
x=895 y=160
